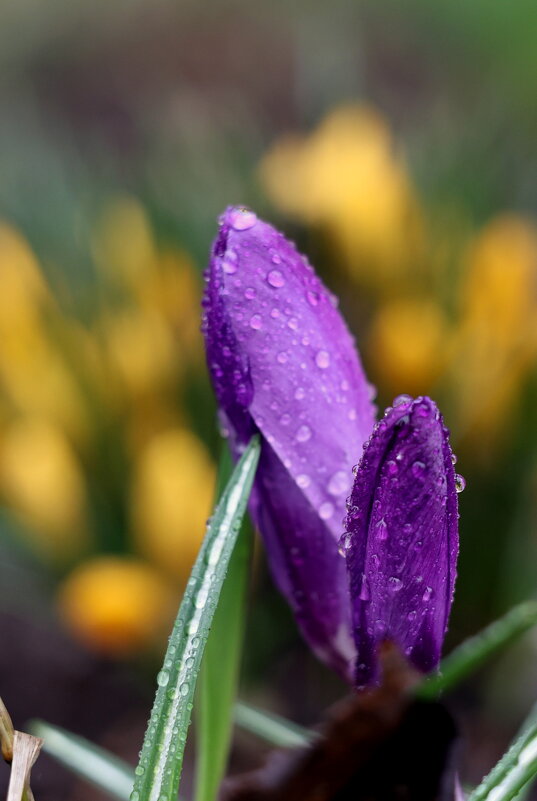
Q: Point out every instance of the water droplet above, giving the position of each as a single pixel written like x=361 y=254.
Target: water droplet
x=423 y=410
x=249 y=293
x=139 y=771
x=184 y=688
x=275 y=313
x=401 y=400
x=394 y=584
x=285 y=419
x=345 y=543
x=427 y=594
x=453 y=459
x=229 y=267
x=163 y=678
x=391 y=467
x=300 y=393
x=418 y=470
x=303 y=480
x=326 y=510
x=134 y=796
x=241 y=219
x=275 y=257
x=256 y=322
x=460 y=482
x=312 y=297
x=365 y=595
x=303 y=434
x=322 y=359
x=282 y=357
x=292 y=324
x=339 y=483
x=411 y=615
x=275 y=279
x=382 y=530
x=380 y=627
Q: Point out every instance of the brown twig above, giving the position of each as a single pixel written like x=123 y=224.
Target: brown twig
x=26 y=749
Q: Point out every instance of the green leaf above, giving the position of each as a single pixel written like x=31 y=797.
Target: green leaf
x=474 y=652
x=159 y=770
x=97 y=766
x=274 y=729
x=514 y=770
x=218 y=678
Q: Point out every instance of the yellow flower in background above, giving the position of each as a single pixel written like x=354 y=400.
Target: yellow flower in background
x=34 y=376
x=171 y=498
x=407 y=345
x=41 y=481
x=117 y=605
x=496 y=343
x=347 y=178
x=140 y=349
x=123 y=244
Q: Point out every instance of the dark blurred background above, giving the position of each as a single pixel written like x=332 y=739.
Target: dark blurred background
x=397 y=144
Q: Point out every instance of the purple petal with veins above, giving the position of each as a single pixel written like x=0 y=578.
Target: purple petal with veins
x=401 y=543
x=283 y=363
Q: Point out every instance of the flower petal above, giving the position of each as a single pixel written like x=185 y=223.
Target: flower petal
x=402 y=537
x=283 y=362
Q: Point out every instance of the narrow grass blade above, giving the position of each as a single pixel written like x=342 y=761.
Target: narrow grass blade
x=475 y=651
x=219 y=674
x=274 y=729
x=159 y=770
x=514 y=770
x=97 y=766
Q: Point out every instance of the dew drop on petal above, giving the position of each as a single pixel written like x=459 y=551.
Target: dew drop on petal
x=229 y=267
x=285 y=419
x=303 y=434
x=418 y=470
x=394 y=584
x=256 y=322
x=460 y=482
x=391 y=467
x=339 y=483
x=322 y=359
x=453 y=459
x=401 y=400
x=312 y=298
x=303 y=480
x=365 y=594
x=382 y=530
x=241 y=219
x=249 y=293
x=326 y=510
x=300 y=393
x=282 y=357
x=427 y=594
x=275 y=279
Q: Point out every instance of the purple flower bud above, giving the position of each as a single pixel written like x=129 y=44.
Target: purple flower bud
x=401 y=543
x=283 y=363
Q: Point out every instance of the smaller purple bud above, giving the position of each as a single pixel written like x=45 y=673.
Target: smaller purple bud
x=404 y=538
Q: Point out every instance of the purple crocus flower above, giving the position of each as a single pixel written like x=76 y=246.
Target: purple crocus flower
x=283 y=363
x=401 y=543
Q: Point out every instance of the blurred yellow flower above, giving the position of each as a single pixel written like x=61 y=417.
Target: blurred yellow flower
x=117 y=605
x=42 y=483
x=496 y=343
x=171 y=498
x=123 y=244
x=407 y=345
x=347 y=178
x=140 y=349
